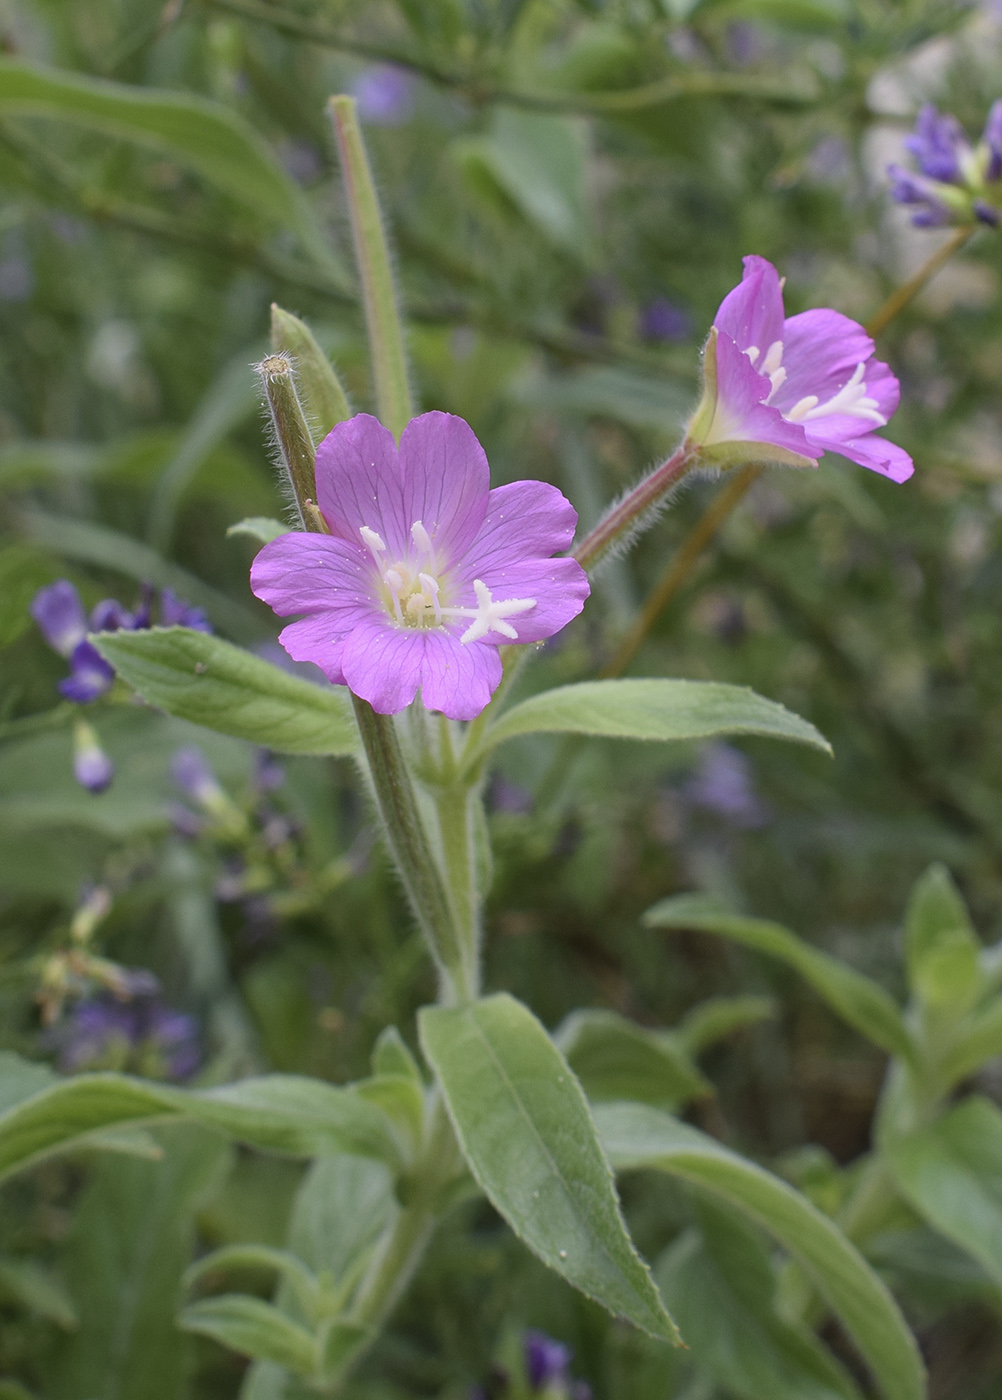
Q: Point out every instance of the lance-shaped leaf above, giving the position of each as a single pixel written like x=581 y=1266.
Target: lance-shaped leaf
x=720 y=1283
x=279 y=1113
x=526 y=1131
x=637 y=1136
x=860 y=1002
x=614 y=1058
x=203 y=135
x=951 y=1172
x=653 y=710
x=254 y=1328
x=208 y=681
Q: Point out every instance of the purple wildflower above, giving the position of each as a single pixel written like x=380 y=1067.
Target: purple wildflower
x=992 y=140
x=60 y=616
x=269 y=774
x=141 y=1033
x=90 y=675
x=796 y=386
x=92 y=767
x=723 y=784
x=909 y=188
x=385 y=95
x=546 y=1361
x=192 y=773
x=661 y=319
x=940 y=145
x=176 y=612
x=426 y=571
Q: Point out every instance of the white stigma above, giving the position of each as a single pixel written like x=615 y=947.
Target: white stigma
x=489 y=614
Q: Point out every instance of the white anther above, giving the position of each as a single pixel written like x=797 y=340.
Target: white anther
x=773 y=358
x=396 y=586
x=802 y=408
x=421 y=537
x=752 y=352
x=490 y=615
x=372 y=539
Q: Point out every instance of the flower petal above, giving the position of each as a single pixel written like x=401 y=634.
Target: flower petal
x=753 y=313
x=318 y=639
x=821 y=350
x=874 y=452
x=359 y=482
x=524 y=520
x=383 y=664
x=59 y=613
x=458 y=680
x=445 y=480
x=301 y=573
x=741 y=415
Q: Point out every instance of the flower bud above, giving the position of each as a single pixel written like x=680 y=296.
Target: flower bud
x=59 y=613
x=324 y=400
x=292 y=435
x=92 y=767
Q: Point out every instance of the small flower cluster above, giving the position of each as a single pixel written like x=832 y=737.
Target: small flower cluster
x=545 y=1372
x=64 y=624
x=956 y=183
x=264 y=870
x=140 y=1034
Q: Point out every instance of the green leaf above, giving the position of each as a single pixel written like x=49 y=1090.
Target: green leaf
x=230 y=398
x=259 y=527
x=339 y=1342
x=978 y=1039
x=862 y=1003
x=324 y=401
x=203 y=135
x=720 y=1284
x=616 y=1059
x=254 y=1328
x=278 y=1113
x=208 y=681
x=637 y=1136
x=951 y=1172
x=653 y=710
x=25 y=1281
x=391 y=1055
x=941 y=947
x=538 y=163
x=524 y=1126
x=401 y=1098
x=344 y=1203
x=719 y=1017
x=133 y=1234
x=258 y=1256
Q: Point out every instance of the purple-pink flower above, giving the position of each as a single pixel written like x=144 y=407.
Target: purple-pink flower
x=797 y=386
x=426 y=570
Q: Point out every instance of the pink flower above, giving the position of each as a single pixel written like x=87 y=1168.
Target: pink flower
x=790 y=389
x=426 y=571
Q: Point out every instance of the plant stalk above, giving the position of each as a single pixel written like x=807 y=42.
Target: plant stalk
x=631 y=514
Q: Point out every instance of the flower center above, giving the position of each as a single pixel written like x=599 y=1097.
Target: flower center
x=411 y=591
x=851 y=400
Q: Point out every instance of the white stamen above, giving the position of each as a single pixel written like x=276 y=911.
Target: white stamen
x=421 y=538
x=801 y=408
x=396 y=586
x=752 y=352
x=374 y=541
x=852 y=400
x=773 y=358
x=777 y=379
x=430 y=586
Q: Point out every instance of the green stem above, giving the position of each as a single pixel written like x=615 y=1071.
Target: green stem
x=412 y=851
x=386 y=342
x=456 y=815
x=637 y=508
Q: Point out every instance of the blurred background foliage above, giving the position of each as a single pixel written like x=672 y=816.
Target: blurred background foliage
x=570 y=186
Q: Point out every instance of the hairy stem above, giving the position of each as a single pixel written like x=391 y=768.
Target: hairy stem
x=627 y=516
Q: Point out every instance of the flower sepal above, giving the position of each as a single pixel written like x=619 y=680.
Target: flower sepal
x=703 y=434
